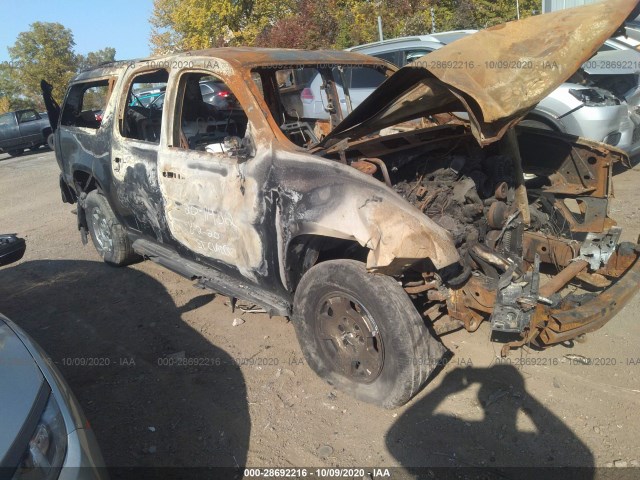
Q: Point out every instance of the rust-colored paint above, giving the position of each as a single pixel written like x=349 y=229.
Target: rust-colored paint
x=553 y=250
x=594 y=314
x=497 y=75
x=563 y=277
x=506 y=69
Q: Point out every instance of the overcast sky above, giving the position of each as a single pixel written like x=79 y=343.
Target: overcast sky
x=121 y=24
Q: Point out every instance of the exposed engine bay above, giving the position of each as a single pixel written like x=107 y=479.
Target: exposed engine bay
x=561 y=230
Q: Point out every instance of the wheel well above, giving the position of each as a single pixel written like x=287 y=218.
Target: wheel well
x=46 y=131
x=84 y=182
x=546 y=119
x=305 y=251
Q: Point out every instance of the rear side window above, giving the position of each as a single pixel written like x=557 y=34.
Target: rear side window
x=364 y=77
x=391 y=57
x=7 y=119
x=85 y=104
x=144 y=104
x=412 y=55
x=27 y=116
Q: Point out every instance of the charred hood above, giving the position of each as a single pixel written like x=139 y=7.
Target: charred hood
x=497 y=75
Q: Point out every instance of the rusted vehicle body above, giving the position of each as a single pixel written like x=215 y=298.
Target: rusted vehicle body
x=377 y=232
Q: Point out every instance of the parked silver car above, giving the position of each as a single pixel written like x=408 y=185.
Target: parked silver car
x=616 y=67
x=585 y=111
x=43 y=432
x=361 y=82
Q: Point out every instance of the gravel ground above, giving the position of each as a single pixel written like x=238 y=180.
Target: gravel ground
x=118 y=334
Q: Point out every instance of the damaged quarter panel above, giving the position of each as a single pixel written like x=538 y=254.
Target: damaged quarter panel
x=83 y=148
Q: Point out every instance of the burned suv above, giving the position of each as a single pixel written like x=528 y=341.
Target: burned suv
x=375 y=233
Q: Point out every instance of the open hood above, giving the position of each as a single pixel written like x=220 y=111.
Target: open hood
x=497 y=75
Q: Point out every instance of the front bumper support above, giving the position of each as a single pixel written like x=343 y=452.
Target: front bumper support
x=563 y=325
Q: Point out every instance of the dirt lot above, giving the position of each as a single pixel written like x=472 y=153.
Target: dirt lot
x=251 y=400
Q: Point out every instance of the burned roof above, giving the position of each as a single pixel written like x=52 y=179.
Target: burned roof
x=241 y=58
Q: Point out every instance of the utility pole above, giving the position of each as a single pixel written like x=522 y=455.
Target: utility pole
x=518 y=9
x=380 y=28
x=433 y=20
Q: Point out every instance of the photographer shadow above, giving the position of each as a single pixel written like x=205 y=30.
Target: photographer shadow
x=155 y=391
x=515 y=430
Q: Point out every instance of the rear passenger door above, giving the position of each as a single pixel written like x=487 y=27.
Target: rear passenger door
x=134 y=154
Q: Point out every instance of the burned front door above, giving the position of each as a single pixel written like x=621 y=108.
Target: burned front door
x=212 y=179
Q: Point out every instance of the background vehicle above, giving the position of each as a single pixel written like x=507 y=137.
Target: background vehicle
x=615 y=67
x=42 y=428
x=361 y=82
x=217 y=94
x=11 y=248
x=142 y=98
x=581 y=110
x=24 y=129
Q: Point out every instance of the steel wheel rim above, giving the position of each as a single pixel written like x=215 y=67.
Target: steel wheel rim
x=349 y=338
x=101 y=231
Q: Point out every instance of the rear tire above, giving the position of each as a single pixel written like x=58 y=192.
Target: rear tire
x=361 y=333
x=50 y=144
x=107 y=234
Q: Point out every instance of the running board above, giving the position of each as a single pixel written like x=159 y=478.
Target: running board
x=210 y=278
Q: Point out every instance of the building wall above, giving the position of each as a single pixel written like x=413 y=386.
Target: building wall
x=553 y=5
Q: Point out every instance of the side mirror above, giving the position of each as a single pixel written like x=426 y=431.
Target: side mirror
x=238 y=147
x=12 y=249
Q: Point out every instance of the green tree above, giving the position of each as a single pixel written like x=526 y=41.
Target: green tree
x=93 y=59
x=178 y=25
x=45 y=51
x=11 y=97
x=192 y=24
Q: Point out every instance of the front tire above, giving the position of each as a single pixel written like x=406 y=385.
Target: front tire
x=50 y=144
x=361 y=333
x=107 y=234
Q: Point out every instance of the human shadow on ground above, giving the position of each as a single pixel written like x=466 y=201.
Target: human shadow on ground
x=155 y=391
x=516 y=431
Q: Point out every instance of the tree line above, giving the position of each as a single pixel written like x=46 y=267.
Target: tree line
x=337 y=24
x=46 y=51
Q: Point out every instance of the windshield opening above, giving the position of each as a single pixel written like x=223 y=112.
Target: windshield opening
x=309 y=101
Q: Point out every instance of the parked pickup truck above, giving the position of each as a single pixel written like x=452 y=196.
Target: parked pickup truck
x=24 y=129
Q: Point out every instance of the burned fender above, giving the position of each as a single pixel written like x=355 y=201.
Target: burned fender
x=336 y=201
